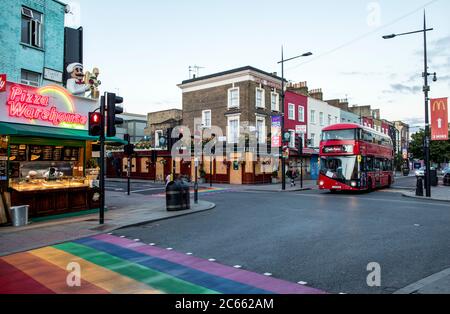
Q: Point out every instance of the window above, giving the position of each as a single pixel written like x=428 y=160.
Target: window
x=274 y=102
x=301 y=114
x=30 y=78
x=261 y=130
x=158 y=136
x=312 y=140
x=260 y=103
x=206 y=118
x=336 y=120
x=31 y=27
x=322 y=119
x=339 y=135
x=233 y=97
x=313 y=116
x=329 y=119
x=291 y=112
x=233 y=129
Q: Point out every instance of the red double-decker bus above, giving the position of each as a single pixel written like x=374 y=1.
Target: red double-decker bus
x=355 y=158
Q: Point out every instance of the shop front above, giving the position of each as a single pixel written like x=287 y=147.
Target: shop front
x=46 y=153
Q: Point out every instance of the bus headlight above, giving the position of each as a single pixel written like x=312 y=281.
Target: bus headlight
x=321 y=183
x=354 y=184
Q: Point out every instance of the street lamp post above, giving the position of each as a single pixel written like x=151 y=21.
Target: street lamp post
x=426 y=90
x=283 y=161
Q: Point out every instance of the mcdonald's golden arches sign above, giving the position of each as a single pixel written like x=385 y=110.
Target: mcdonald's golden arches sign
x=439 y=119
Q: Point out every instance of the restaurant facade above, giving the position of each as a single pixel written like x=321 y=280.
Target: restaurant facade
x=46 y=155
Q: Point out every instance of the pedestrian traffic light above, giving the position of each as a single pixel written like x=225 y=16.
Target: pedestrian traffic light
x=129 y=149
x=113 y=110
x=95 y=123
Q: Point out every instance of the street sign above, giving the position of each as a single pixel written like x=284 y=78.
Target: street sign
x=300 y=129
x=439 y=119
x=276 y=132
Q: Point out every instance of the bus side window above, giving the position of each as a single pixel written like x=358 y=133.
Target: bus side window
x=368 y=163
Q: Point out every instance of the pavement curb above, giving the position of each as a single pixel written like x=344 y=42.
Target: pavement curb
x=107 y=228
x=417 y=286
x=404 y=194
x=181 y=214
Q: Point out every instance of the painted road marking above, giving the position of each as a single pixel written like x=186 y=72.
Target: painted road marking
x=111 y=264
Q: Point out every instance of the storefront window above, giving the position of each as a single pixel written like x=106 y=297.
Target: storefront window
x=39 y=167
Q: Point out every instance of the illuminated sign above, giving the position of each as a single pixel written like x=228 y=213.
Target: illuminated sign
x=33 y=106
x=338 y=149
x=46 y=106
x=2 y=83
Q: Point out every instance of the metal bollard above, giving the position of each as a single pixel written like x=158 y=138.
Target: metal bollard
x=419 y=187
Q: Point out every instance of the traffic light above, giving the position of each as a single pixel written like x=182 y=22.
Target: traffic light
x=95 y=123
x=129 y=149
x=299 y=144
x=113 y=110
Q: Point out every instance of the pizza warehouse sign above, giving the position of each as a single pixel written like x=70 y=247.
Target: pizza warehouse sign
x=46 y=106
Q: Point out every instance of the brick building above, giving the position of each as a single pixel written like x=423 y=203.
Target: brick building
x=32 y=41
x=237 y=101
x=159 y=122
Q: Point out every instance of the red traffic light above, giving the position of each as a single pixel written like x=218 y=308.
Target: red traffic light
x=95 y=117
x=95 y=124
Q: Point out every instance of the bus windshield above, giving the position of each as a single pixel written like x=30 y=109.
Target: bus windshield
x=339 y=168
x=339 y=135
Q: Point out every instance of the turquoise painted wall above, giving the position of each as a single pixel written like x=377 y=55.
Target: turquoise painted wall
x=14 y=55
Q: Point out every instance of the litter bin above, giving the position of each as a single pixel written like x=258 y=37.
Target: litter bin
x=174 y=196
x=19 y=215
x=186 y=195
x=434 y=177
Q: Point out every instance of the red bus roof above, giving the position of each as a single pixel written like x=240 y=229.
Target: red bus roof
x=349 y=126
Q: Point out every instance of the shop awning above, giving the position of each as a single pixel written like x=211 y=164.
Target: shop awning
x=43 y=131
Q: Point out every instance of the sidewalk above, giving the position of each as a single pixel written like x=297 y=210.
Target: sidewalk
x=307 y=185
x=435 y=284
x=439 y=193
x=124 y=211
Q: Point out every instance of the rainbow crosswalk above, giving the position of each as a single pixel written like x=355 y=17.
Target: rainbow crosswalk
x=114 y=265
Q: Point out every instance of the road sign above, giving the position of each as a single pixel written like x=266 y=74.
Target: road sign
x=276 y=132
x=439 y=119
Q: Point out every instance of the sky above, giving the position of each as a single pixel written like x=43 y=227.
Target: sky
x=144 y=47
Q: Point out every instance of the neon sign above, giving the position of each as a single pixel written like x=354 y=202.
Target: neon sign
x=31 y=105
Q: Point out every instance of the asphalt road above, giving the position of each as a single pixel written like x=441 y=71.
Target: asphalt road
x=323 y=239
x=147 y=188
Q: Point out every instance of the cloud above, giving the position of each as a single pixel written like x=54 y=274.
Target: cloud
x=360 y=73
x=404 y=89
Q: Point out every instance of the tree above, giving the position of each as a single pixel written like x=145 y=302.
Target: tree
x=439 y=150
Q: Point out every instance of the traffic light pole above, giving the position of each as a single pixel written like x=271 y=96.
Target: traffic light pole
x=283 y=161
x=102 y=160
x=127 y=138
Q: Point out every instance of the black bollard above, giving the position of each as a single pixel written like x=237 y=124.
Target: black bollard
x=419 y=187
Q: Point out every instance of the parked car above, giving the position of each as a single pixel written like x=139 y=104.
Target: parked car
x=421 y=171
x=445 y=170
x=447 y=177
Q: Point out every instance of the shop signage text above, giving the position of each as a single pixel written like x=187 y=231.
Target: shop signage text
x=26 y=104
